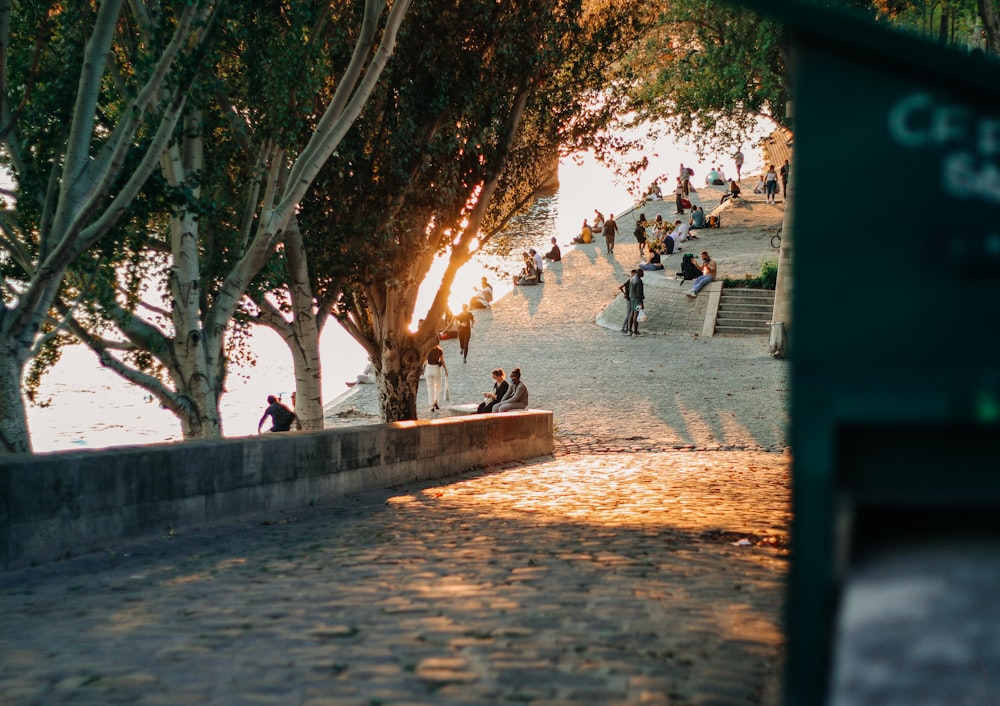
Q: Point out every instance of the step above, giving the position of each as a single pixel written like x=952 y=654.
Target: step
x=741 y=330
x=747 y=315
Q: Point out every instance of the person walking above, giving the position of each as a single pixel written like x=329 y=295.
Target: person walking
x=433 y=376
x=636 y=300
x=738 y=159
x=610 y=230
x=783 y=172
x=709 y=268
x=465 y=320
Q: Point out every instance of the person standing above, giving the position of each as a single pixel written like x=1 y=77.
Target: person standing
x=624 y=289
x=770 y=183
x=684 y=180
x=784 y=178
x=679 y=196
x=517 y=393
x=433 y=371
x=610 y=230
x=636 y=299
x=465 y=320
x=709 y=268
x=640 y=234
x=281 y=416
x=738 y=159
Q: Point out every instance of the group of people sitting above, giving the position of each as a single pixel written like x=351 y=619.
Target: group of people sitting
x=506 y=395
x=534 y=264
x=666 y=238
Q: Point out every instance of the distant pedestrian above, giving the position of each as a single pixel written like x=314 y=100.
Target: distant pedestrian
x=624 y=289
x=610 y=230
x=636 y=301
x=433 y=376
x=738 y=159
x=281 y=416
x=517 y=392
x=640 y=233
x=465 y=320
x=770 y=183
x=684 y=180
x=784 y=178
x=679 y=196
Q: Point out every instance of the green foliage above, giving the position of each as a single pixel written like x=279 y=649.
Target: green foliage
x=710 y=69
x=767 y=279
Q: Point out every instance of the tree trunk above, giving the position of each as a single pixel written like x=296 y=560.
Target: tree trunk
x=14 y=437
x=304 y=334
x=397 y=377
x=991 y=25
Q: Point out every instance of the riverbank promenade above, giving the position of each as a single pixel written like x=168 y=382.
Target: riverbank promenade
x=642 y=563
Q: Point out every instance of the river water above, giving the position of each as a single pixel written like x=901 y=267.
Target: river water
x=86 y=406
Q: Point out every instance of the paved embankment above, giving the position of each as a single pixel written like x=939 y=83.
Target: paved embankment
x=601 y=579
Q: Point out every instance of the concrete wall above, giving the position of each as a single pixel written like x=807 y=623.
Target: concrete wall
x=62 y=504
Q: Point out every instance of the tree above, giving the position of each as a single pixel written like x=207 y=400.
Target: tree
x=465 y=129
x=245 y=158
x=78 y=153
x=710 y=70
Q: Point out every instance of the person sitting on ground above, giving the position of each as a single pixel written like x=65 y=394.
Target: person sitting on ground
x=281 y=416
x=491 y=399
x=732 y=193
x=450 y=328
x=364 y=378
x=697 y=218
x=529 y=275
x=539 y=263
x=586 y=234
x=652 y=261
x=681 y=234
x=660 y=226
x=484 y=297
x=555 y=254
x=516 y=396
x=713 y=178
x=758 y=188
x=598 y=221
x=654 y=193
x=709 y=268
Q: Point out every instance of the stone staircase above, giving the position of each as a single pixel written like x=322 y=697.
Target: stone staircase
x=744 y=312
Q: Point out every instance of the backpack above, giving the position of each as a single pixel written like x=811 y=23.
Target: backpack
x=283 y=418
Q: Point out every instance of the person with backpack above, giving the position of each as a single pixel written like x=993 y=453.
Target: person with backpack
x=281 y=416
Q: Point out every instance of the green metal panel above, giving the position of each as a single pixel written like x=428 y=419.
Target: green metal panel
x=895 y=343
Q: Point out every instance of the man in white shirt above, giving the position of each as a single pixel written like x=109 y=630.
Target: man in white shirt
x=539 y=262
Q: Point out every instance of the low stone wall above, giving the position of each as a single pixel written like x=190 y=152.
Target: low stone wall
x=68 y=503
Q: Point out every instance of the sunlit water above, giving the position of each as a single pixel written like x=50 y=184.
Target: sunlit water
x=88 y=406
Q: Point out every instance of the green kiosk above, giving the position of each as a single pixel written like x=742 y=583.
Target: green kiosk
x=895 y=354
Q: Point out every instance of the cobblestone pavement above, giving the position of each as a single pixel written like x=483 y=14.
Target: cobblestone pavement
x=586 y=578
